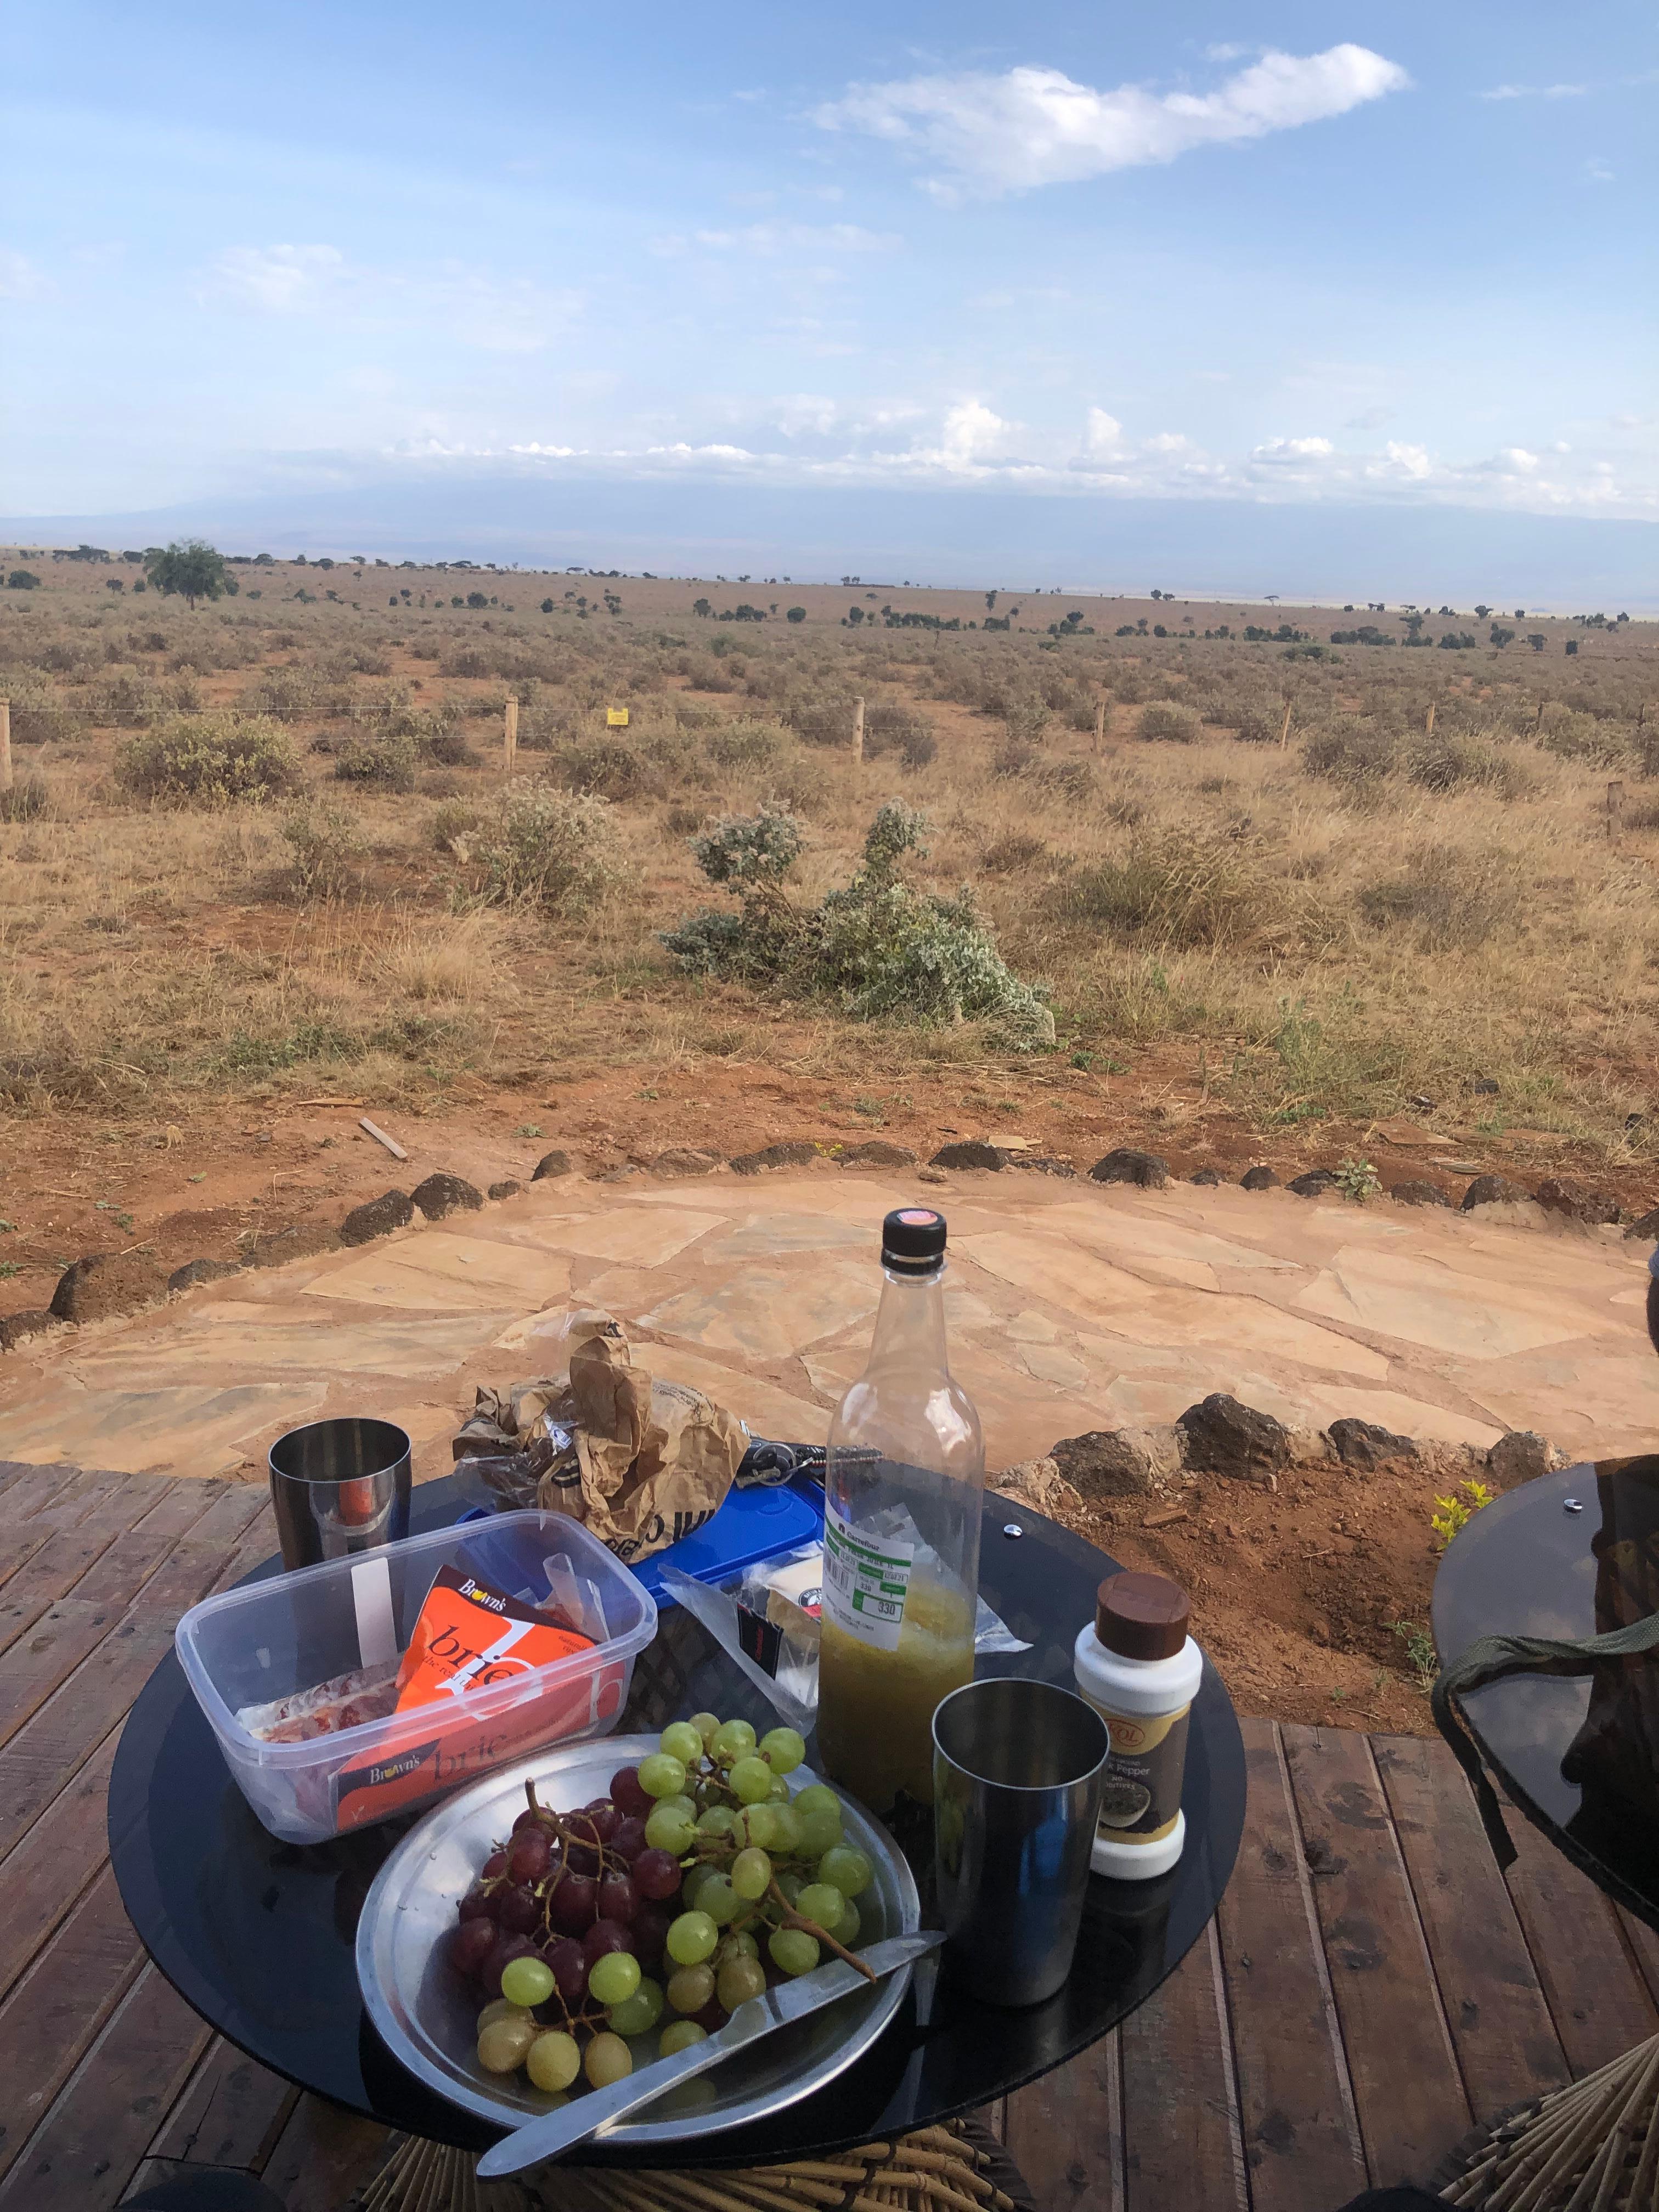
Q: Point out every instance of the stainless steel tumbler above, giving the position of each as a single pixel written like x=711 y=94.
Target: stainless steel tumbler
x=1018 y=1768
x=339 y=1487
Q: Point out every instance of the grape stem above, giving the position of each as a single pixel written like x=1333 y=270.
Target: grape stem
x=793 y=1919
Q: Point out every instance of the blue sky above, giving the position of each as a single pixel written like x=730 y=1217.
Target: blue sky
x=1293 y=255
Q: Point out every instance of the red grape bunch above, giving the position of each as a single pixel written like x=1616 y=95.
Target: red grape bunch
x=698 y=1881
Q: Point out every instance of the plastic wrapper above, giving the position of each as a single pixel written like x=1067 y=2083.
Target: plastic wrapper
x=766 y=1619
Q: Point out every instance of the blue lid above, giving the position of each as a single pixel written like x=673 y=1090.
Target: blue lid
x=757 y=1523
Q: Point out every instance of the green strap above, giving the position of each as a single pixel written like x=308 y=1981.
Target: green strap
x=1490 y=1659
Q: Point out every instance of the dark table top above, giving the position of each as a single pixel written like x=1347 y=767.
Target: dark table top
x=1569 y=1556
x=258 y=1936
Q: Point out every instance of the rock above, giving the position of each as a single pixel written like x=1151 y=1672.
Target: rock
x=932 y=1175
x=506 y=1188
x=1313 y=1184
x=625 y=1173
x=1145 y=1169
x=1042 y=1164
x=971 y=1152
x=877 y=1153
x=1310 y=1448
x=105 y=1283
x=1258 y=1178
x=1039 y=1483
x=1366 y=1445
x=303 y=1242
x=1483 y=1087
x=1225 y=1437
x=1119 y=1462
x=550 y=1165
x=202 y=1271
x=441 y=1194
x=1522 y=1455
x=1572 y=1200
x=1418 y=1193
x=684 y=1160
x=1207 y=1176
x=1492 y=1191
x=378 y=1217
x=797 y=1154
x=1646 y=1226
x=17 y=1328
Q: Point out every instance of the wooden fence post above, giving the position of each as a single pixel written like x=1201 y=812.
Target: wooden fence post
x=1615 y=808
x=1428 y=722
x=1100 y=724
x=510 y=736
x=858 y=729
x=5 y=744
x=1285 y=728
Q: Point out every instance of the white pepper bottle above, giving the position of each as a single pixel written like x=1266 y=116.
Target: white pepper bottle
x=1140 y=1669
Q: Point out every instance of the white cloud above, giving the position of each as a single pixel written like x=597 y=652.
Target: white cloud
x=1370 y=418
x=971 y=432
x=20 y=279
x=1292 y=452
x=1035 y=126
x=1597 y=171
x=281 y=279
x=1411 y=462
x=773 y=238
x=1169 y=441
x=1102 y=435
x=1536 y=92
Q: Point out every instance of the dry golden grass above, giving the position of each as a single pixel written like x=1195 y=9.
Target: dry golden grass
x=1325 y=929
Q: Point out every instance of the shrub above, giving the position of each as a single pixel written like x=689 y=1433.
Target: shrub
x=1453 y=761
x=880 y=946
x=386 y=760
x=1451 y=900
x=26 y=801
x=1175 y=889
x=607 y=767
x=795 y=615
x=891 y=728
x=452 y=827
x=744 y=744
x=22 y=580
x=326 y=847
x=1169 y=723
x=207 y=760
x=285 y=693
x=823 y=721
x=1015 y=850
x=445 y=746
x=554 y=850
x=1349 y=751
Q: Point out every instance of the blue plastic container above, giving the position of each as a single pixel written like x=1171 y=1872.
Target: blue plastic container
x=752 y=1524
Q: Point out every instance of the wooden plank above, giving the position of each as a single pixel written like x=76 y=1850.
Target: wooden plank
x=195 y=1563
x=42 y=1757
x=74 y=1533
x=259 y=1545
x=56 y=2012
x=84 y=2152
x=1506 y=2044
x=1065 y=2133
x=42 y=1880
x=1643 y=1945
x=1401 y=2062
x=1300 y=2131
x=323 y=2156
x=230 y=2113
x=1182 y=2146
x=1596 y=1998
x=119 y=1576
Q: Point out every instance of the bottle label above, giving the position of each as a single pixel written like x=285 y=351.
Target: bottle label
x=1144 y=1769
x=865 y=1582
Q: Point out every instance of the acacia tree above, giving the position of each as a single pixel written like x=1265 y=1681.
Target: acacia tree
x=191 y=571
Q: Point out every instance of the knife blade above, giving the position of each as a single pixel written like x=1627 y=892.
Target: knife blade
x=597 y=2111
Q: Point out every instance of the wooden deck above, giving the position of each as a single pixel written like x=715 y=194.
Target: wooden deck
x=1372 y=1984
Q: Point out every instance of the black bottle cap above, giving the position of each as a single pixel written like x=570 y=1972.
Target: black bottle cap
x=912 y=1240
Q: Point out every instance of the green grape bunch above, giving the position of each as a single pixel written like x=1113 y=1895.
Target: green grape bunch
x=699 y=1880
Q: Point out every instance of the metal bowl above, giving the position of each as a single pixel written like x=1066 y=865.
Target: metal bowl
x=429 y=2022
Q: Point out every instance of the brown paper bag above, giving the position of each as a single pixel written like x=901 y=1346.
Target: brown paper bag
x=638 y=1461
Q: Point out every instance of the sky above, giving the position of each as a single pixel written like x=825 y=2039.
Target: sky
x=366 y=264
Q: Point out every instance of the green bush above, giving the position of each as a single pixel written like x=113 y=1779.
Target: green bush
x=608 y=768
x=22 y=580
x=387 y=760
x=554 y=850
x=1449 y=899
x=744 y=744
x=326 y=847
x=1167 y=722
x=1355 y=753
x=879 y=947
x=207 y=760
x=1451 y=760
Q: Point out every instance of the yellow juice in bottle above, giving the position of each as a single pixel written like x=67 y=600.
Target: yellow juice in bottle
x=876 y=1707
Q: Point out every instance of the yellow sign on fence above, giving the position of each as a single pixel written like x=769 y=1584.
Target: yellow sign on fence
x=616 y=718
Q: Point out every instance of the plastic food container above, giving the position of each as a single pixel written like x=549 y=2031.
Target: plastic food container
x=254 y=1645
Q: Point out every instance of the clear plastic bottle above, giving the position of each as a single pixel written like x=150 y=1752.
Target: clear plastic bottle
x=904 y=1491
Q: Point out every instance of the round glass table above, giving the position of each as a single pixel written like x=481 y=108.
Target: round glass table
x=1568 y=1556
x=258 y=1936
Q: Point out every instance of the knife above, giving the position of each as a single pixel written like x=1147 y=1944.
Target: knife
x=597 y=2111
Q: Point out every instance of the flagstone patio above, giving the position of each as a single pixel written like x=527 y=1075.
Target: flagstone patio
x=1072 y=1307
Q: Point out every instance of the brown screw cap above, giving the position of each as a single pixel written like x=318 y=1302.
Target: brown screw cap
x=1141 y=1616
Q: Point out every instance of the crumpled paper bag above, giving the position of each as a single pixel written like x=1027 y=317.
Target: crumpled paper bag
x=641 y=1461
